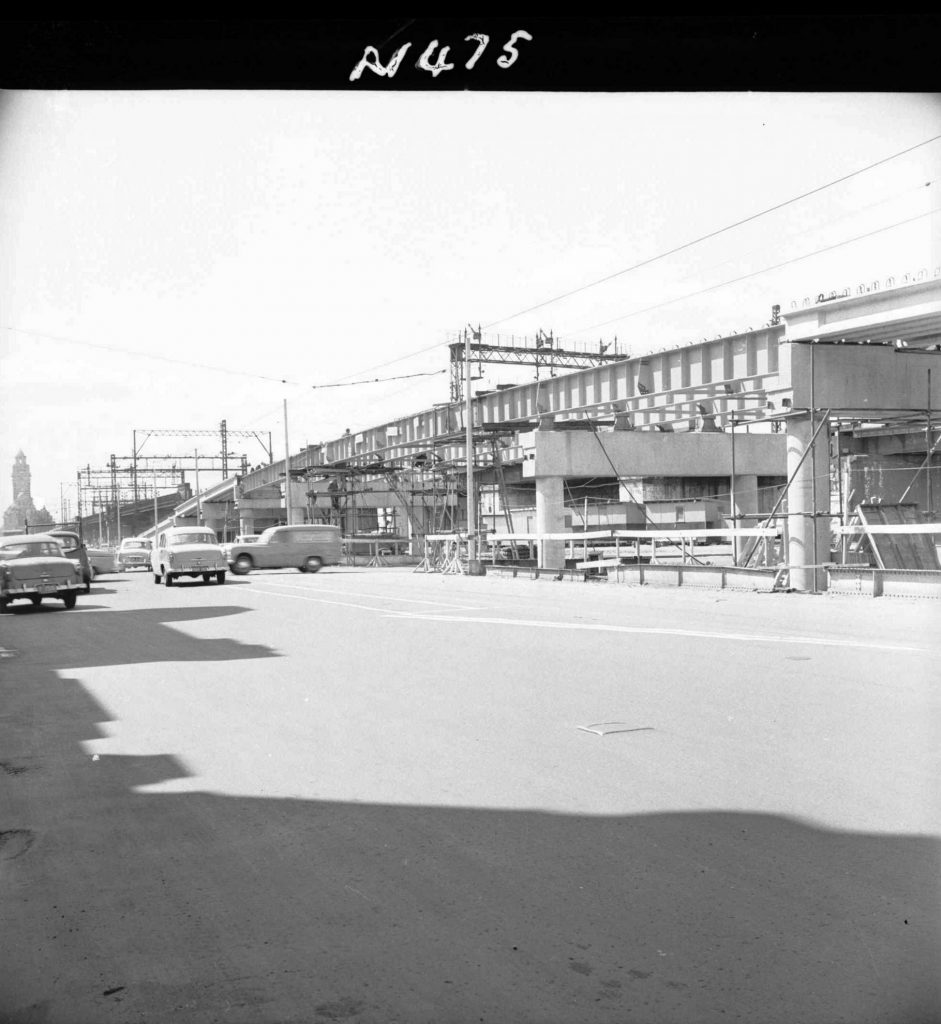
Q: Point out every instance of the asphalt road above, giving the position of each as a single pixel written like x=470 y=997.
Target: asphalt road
x=376 y=796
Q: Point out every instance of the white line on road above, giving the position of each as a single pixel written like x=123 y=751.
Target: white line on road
x=347 y=604
x=381 y=597
x=661 y=631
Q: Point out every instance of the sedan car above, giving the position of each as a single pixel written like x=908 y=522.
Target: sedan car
x=34 y=566
x=134 y=553
x=74 y=548
x=187 y=551
x=101 y=560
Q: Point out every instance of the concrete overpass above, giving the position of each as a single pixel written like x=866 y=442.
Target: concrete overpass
x=759 y=403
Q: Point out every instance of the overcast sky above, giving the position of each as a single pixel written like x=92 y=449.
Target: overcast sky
x=168 y=258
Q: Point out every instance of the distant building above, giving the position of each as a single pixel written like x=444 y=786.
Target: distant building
x=23 y=512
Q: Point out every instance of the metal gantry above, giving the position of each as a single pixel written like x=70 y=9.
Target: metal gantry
x=543 y=352
x=223 y=433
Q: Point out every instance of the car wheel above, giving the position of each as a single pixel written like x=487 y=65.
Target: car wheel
x=4 y=605
x=167 y=580
x=220 y=577
x=206 y=577
x=243 y=564
x=36 y=599
x=313 y=564
x=69 y=599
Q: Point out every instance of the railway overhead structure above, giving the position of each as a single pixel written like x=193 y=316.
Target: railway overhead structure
x=756 y=419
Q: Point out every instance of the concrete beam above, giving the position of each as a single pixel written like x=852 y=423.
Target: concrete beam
x=650 y=453
x=859 y=377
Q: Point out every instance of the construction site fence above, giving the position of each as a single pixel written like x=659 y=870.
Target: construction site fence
x=449 y=553
x=841 y=579
x=869 y=582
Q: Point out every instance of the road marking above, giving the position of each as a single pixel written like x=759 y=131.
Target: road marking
x=379 y=597
x=342 y=604
x=319 y=600
x=661 y=631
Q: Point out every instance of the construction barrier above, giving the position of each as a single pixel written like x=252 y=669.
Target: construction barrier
x=850 y=579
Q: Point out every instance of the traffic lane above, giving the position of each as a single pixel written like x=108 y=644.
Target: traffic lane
x=201 y=905
x=895 y=621
x=840 y=733
x=587 y=900
x=831 y=714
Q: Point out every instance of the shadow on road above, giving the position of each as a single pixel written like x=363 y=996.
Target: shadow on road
x=151 y=641
x=123 y=906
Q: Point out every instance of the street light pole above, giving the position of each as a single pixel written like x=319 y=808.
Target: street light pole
x=198 y=510
x=732 y=494
x=287 y=467
x=469 y=442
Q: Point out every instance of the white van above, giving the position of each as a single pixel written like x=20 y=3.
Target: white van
x=187 y=551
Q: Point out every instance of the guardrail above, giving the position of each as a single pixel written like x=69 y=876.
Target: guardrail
x=869 y=582
x=683 y=540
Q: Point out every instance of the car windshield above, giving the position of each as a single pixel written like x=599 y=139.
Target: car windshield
x=31 y=549
x=136 y=545
x=193 y=537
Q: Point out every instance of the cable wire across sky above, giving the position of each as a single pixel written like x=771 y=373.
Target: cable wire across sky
x=686 y=245
x=713 y=234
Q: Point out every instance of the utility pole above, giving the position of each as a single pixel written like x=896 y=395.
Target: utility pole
x=469 y=442
x=287 y=467
x=199 y=514
x=928 y=438
x=225 y=449
x=78 y=477
x=116 y=494
x=732 y=514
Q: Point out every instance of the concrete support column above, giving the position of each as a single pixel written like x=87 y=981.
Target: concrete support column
x=246 y=525
x=814 y=473
x=550 y=518
x=745 y=502
x=298 y=503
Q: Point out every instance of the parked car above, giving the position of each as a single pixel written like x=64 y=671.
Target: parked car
x=134 y=553
x=101 y=560
x=74 y=548
x=307 y=547
x=34 y=566
x=187 y=551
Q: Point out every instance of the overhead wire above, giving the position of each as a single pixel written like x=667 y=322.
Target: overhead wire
x=215 y=369
x=714 y=234
x=754 y=273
